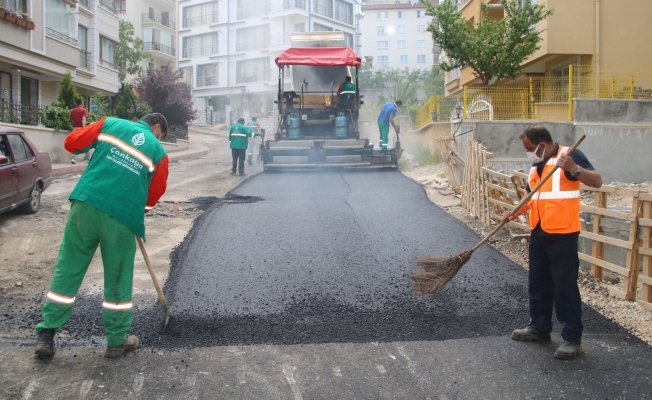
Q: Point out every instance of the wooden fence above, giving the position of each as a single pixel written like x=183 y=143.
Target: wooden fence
x=487 y=194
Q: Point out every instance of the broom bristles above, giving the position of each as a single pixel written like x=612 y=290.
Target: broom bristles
x=436 y=272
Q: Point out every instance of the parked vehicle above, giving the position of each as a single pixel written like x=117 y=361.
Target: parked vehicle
x=25 y=172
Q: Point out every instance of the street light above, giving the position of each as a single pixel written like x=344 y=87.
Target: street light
x=458 y=110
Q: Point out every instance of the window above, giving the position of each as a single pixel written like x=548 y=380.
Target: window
x=155 y=39
x=151 y=66
x=348 y=39
x=207 y=75
x=60 y=22
x=421 y=58
x=19 y=5
x=200 y=45
x=402 y=29
x=28 y=91
x=344 y=12
x=419 y=13
x=321 y=28
x=421 y=28
x=200 y=14
x=383 y=45
x=107 y=52
x=252 y=70
x=19 y=148
x=84 y=55
x=381 y=31
x=421 y=44
x=401 y=44
x=252 y=8
x=404 y=59
x=255 y=37
x=383 y=14
x=383 y=59
x=324 y=7
x=401 y=14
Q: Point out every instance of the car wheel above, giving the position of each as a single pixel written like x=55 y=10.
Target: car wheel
x=34 y=202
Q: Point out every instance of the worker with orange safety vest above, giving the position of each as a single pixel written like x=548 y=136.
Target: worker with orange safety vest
x=555 y=226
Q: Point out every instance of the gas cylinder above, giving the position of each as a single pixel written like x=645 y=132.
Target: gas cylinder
x=341 y=126
x=294 y=131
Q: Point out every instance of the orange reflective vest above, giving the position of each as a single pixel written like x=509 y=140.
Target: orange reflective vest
x=557 y=203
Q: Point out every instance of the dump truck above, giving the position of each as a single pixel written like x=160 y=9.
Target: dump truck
x=317 y=126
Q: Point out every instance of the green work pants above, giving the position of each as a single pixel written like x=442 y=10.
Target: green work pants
x=384 y=134
x=88 y=227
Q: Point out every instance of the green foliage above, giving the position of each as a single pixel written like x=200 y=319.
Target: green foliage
x=67 y=92
x=394 y=84
x=103 y=102
x=434 y=82
x=129 y=52
x=127 y=100
x=57 y=117
x=494 y=49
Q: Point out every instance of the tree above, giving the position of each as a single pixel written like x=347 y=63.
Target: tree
x=494 y=49
x=165 y=93
x=129 y=53
x=67 y=93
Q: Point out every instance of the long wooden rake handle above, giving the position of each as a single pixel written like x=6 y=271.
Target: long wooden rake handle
x=161 y=297
x=525 y=199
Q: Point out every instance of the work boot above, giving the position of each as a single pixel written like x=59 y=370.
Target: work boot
x=129 y=345
x=530 y=334
x=569 y=350
x=233 y=173
x=45 y=344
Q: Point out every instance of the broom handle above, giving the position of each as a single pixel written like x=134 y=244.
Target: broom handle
x=161 y=296
x=527 y=197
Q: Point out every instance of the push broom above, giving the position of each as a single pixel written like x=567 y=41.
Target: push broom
x=161 y=297
x=437 y=271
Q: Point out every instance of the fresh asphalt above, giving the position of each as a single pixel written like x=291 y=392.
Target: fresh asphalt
x=296 y=286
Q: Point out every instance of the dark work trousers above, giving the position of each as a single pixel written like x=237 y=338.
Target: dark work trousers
x=238 y=159
x=554 y=266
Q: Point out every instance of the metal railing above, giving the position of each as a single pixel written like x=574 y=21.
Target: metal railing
x=323 y=10
x=16 y=113
x=161 y=20
x=110 y=5
x=200 y=51
x=86 y=3
x=210 y=80
x=200 y=20
x=344 y=17
x=255 y=76
x=176 y=132
x=251 y=44
x=85 y=60
x=154 y=46
x=63 y=37
x=280 y=5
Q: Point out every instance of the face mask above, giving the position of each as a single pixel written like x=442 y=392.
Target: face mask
x=532 y=155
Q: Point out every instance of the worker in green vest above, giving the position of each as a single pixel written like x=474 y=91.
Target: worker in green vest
x=254 y=126
x=346 y=86
x=238 y=136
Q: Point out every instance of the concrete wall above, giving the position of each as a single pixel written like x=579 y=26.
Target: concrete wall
x=501 y=137
x=613 y=111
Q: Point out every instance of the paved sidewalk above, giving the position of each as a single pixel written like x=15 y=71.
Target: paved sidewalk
x=194 y=149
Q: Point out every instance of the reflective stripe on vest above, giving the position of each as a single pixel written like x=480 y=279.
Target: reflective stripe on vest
x=61 y=299
x=128 y=149
x=113 y=306
x=557 y=202
x=238 y=134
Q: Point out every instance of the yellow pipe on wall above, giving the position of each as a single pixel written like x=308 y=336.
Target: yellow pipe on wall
x=570 y=92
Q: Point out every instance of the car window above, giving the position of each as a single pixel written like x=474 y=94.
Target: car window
x=4 y=148
x=19 y=148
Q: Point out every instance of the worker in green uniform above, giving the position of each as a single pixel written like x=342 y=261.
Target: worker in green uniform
x=346 y=86
x=254 y=126
x=124 y=179
x=238 y=136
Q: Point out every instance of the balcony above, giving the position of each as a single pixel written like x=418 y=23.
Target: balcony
x=199 y=51
x=282 y=5
x=158 y=19
x=252 y=44
x=253 y=11
x=161 y=48
x=85 y=60
x=210 y=80
x=254 y=76
x=200 y=20
x=462 y=3
x=60 y=36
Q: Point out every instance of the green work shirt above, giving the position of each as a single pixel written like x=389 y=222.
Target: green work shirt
x=238 y=136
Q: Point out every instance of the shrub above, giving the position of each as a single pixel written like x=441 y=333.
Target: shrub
x=56 y=117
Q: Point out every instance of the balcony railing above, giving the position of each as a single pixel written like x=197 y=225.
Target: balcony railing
x=16 y=113
x=462 y=3
x=452 y=75
x=254 y=76
x=253 y=11
x=252 y=44
x=85 y=60
x=344 y=17
x=200 y=51
x=110 y=5
x=86 y=3
x=207 y=80
x=280 y=5
x=63 y=37
x=323 y=10
x=200 y=20
x=154 y=46
x=159 y=19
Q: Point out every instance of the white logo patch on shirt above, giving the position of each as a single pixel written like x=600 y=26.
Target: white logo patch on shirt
x=139 y=139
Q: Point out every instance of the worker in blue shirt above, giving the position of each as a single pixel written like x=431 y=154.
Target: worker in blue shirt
x=385 y=119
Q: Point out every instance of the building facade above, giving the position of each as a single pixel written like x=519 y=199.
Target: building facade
x=227 y=48
x=603 y=35
x=64 y=35
x=394 y=34
x=156 y=23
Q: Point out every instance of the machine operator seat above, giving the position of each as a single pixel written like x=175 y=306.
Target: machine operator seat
x=345 y=100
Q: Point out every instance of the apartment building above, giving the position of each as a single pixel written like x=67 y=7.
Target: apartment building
x=393 y=34
x=65 y=35
x=227 y=48
x=604 y=34
x=156 y=23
